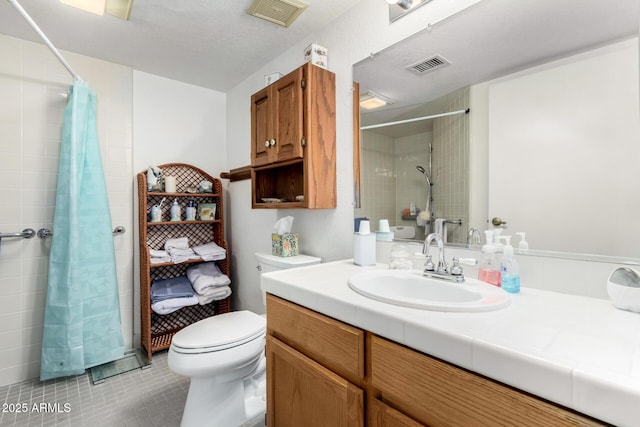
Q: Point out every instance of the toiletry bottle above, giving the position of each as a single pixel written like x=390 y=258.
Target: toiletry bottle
x=191 y=210
x=497 y=240
x=364 y=245
x=509 y=269
x=175 y=211
x=523 y=245
x=489 y=269
x=412 y=209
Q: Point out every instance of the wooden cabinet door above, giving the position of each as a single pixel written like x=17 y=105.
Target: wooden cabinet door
x=287 y=113
x=301 y=392
x=261 y=128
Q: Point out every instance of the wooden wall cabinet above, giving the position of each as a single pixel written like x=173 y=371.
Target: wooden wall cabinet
x=322 y=372
x=157 y=330
x=293 y=141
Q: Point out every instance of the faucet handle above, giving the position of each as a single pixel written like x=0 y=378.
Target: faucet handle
x=456 y=270
x=428 y=264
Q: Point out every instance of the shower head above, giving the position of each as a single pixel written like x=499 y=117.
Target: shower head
x=424 y=172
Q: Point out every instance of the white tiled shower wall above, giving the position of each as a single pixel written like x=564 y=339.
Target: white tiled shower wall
x=389 y=169
x=33 y=85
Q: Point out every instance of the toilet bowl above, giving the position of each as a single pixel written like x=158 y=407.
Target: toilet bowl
x=225 y=360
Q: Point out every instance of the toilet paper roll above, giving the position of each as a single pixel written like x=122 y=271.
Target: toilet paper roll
x=169 y=184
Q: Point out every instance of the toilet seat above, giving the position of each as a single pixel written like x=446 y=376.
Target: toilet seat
x=219 y=332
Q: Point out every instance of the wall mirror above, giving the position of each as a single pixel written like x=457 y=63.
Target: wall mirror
x=550 y=144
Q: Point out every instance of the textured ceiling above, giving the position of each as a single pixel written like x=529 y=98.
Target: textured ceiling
x=209 y=43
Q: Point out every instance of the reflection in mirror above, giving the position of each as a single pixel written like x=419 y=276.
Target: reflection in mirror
x=551 y=144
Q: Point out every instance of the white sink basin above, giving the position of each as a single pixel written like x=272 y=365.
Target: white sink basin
x=409 y=288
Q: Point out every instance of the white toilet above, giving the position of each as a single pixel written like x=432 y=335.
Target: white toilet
x=224 y=358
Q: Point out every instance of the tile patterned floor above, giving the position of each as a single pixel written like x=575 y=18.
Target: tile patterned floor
x=152 y=397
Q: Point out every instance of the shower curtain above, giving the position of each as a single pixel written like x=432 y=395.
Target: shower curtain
x=82 y=311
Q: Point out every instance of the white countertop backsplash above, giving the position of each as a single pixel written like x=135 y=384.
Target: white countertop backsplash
x=578 y=351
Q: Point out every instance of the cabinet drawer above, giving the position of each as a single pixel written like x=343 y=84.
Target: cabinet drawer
x=437 y=393
x=333 y=344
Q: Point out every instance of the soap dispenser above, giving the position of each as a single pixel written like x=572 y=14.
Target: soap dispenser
x=175 y=211
x=523 y=245
x=509 y=269
x=489 y=269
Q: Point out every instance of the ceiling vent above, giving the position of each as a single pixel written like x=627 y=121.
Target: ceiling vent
x=282 y=12
x=427 y=65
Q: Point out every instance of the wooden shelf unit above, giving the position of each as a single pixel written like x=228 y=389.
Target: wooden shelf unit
x=157 y=330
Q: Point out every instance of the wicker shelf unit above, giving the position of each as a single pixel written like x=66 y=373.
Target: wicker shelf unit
x=157 y=330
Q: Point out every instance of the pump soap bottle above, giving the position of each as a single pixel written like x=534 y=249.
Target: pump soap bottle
x=509 y=269
x=175 y=211
x=489 y=269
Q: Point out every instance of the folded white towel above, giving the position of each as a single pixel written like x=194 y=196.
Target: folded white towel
x=170 y=305
x=210 y=251
x=205 y=277
x=178 y=242
x=154 y=253
x=219 y=293
x=181 y=255
x=159 y=260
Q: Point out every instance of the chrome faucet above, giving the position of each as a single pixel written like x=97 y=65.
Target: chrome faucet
x=442 y=271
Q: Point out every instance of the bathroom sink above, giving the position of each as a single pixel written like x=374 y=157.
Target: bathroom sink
x=409 y=288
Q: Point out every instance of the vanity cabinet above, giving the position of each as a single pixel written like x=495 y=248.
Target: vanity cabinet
x=156 y=331
x=316 y=376
x=315 y=368
x=293 y=141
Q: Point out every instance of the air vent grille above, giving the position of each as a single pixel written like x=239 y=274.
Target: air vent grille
x=427 y=65
x=282 y=12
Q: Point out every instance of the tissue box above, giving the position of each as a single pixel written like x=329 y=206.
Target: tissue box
x=284 y=244
x=270 y=78
x=317 y=55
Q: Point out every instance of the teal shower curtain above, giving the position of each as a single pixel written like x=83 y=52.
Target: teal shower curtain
x=82 y=312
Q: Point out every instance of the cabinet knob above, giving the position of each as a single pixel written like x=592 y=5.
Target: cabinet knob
x=266 y=144
x=272 y=142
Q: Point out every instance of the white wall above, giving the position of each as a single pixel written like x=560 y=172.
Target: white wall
x=325 y=233
x=579 y=141
x=174 y=122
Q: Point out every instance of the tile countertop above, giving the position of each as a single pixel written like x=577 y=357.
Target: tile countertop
x=579 y=352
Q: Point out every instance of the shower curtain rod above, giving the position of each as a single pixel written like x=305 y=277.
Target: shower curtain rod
x=44 y=38
x=433 y=116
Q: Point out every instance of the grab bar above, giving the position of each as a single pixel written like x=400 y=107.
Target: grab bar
x=45 y=233
x=27 y=233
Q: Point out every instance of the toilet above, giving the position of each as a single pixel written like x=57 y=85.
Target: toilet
x=225 y=360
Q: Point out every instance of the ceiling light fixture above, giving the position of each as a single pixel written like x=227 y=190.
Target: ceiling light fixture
x=371 y=100
x=404 y=4
x=94 y=6
x=118 y=8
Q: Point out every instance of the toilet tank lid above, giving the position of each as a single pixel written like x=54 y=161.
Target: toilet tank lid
x=220 y=330
x=286 y=262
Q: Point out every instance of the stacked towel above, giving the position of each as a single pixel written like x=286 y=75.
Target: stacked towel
x=158 y=257
x=178 y=250
x=169 y=295
x=208 y=282
x=210 y=252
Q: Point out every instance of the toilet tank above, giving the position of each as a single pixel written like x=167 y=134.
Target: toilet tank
x=268 y=262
